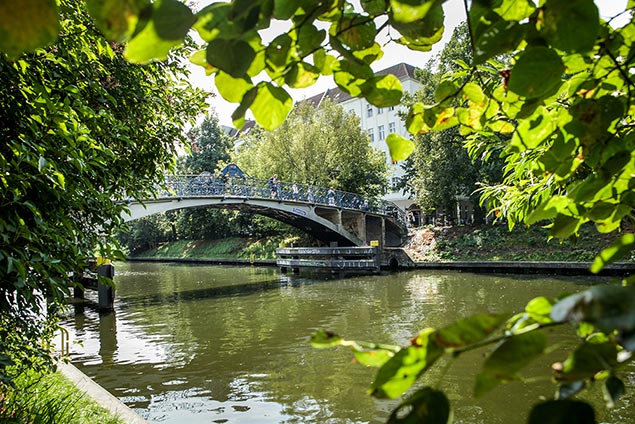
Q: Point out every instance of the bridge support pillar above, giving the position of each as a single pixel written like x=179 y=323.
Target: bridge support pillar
x=375 y=228
x=355 y=222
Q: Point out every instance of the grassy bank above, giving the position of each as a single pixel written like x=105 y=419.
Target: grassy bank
x=461 y=243
x=49 y=398
x=226 y=248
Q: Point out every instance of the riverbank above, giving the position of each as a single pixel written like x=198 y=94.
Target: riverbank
x=425 y=245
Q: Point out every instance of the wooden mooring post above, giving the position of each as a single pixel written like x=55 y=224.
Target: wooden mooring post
x=105 y=292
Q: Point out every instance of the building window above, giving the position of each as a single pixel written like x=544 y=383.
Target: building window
x=391 y=108
x=380 y=110
x=381 y=132
x=369 y=110
x=394 y=183
x=391 y=127
x=371 y=134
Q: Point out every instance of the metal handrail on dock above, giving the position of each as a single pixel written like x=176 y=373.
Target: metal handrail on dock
x=329 y=258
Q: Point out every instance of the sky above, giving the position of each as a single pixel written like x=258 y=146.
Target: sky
x=393 y=54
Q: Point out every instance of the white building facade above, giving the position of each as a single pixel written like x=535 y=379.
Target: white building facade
x=379 y=122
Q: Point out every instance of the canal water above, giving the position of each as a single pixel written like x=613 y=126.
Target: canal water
x=220 y=344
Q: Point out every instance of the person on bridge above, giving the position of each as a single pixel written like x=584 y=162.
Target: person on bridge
x=309 y=195
x=331 y=196
x=295 y=192
x=273 y=185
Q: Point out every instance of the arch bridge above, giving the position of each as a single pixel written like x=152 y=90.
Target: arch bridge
x=331 y=216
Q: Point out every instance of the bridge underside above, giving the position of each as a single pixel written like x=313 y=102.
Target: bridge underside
x=326 y=224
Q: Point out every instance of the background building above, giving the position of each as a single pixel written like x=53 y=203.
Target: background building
x=379 y=122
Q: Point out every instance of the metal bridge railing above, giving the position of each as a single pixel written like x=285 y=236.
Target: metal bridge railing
x=253 y=188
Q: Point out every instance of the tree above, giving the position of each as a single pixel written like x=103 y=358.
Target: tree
x=82 y=131
x=563 y=105
x=210 y=147
x=322 y=146
x=441 y=170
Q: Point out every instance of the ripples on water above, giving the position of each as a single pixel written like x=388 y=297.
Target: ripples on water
x=201 y=344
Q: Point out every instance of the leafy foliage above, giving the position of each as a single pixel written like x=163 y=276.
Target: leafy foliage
x=211 y=147
x=560 y=110
x=318 y=146
x=83 y=130
x=441 y=169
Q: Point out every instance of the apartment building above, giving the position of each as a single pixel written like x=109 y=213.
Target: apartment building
x=379 y=122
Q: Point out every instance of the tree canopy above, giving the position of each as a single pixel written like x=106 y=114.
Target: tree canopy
x=560 y=109
x=82 y=131
x=210 y=147
x=317 y=145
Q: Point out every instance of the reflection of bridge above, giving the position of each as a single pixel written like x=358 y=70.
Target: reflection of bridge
x=329 y=215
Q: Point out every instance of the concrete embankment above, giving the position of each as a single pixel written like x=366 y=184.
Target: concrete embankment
x=99 y=394
x=530 y=267
x=499 y=267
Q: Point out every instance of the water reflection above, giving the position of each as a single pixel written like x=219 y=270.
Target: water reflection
x=230 y=344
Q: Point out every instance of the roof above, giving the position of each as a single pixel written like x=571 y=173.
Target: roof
x=400 y=70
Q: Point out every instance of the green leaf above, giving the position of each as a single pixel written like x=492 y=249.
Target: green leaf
x=358 y=32
x=537 y=73
x=309 y=39
x=564 y=226
x=469 y=330
x=271 y=105
x=213 y=21
x=231 y=56
x=539 y=309
x=425 y=406
x=324 y=62
x=27 y=24
x=383 y=90
x=370 y=54
x=617 y=250
x=613 y=389
x=501 y=37
x=410 y=10
x=230 y=88
x=515 y=10
x=548 y=209
x=607 y=307
x=324 y=339
x=373 y=358
x=445 y=91
x=414 y=120
x=508 y=358
x=169 y=22
x=302 y=75
x=562 y=412
x=562 y=20
x=285 y=9
x=351 y=76
x=473 y=92
x=586 y=361
x=199 y=58
x=279 y=52
x=374 y=7
x=117 y=19
x=402 y=370
x=399 y=147
x=238 y=116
